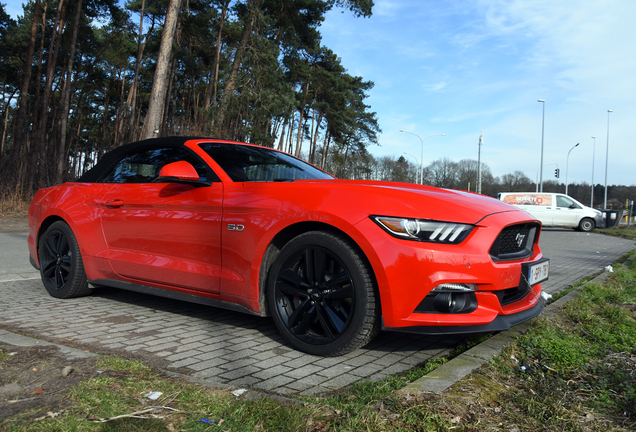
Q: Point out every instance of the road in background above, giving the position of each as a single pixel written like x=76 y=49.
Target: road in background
x=236 y=349
x=14 y=258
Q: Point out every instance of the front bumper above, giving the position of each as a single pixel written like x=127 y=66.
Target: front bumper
x=500 y=323
x=599 y=221
x=408 y=271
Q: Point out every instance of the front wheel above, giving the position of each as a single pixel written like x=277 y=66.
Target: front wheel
x=586 y=225
x=61 y=265
x=322 y=295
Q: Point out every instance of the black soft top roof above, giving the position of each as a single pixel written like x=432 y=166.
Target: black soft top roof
x=111 y=157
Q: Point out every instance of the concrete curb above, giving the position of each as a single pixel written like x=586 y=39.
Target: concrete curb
x=453 y=371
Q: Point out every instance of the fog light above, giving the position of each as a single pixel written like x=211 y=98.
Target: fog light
x=455 y=287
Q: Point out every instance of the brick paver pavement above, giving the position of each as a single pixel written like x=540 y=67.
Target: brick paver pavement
x=576 y=255
x=241 y=350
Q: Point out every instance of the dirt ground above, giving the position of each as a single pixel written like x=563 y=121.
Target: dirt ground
x=35 y=380
x=13 y=222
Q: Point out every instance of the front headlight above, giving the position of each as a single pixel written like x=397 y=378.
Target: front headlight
x=424 y=230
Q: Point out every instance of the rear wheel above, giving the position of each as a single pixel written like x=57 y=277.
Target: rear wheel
x=61 y=265
x=322 y=295
x=586 y=225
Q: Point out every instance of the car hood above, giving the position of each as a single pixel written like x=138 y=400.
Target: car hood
x=410 y=200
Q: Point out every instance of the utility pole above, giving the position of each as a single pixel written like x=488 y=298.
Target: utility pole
x=481 y=141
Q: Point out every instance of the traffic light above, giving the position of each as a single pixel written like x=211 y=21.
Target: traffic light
x=556 y=173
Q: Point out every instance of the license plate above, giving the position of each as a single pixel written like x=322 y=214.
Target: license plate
x=538 y=272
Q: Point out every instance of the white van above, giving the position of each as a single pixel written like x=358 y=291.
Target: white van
x=555 y=209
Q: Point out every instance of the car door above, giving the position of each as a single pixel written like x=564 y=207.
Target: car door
x=567 y=213
x=163 y=233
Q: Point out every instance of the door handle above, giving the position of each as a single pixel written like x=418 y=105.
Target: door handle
x=116 y=203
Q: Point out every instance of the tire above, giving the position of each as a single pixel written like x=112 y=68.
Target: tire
x=61 y=265
x=322 y=295
x=587 y=225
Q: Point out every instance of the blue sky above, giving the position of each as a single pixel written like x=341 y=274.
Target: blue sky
x=462 y=67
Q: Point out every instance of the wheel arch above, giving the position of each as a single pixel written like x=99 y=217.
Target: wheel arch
x=46 y=223
x=287 y=234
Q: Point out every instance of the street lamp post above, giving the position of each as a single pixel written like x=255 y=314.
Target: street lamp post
x=567 y=167
x=593 y=156
x=542 y=134
x=606 y=156
x=422 y=159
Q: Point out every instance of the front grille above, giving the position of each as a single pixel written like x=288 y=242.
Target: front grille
x=515 y=242
x=513 y=239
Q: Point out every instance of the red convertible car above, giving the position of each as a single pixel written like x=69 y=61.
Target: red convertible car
x=256 y=230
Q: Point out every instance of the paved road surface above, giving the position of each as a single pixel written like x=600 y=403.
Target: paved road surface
x=237 y=349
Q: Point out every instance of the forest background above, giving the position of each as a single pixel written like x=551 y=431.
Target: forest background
x=81 y=77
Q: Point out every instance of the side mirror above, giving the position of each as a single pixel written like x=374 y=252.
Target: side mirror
x=180 y=172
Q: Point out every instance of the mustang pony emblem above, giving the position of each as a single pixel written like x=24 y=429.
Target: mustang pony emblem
x=520 y=238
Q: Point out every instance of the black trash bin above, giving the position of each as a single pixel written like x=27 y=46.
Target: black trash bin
x=611 y=217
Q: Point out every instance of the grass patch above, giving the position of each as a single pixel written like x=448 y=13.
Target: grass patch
x=579 y=368
x=117 y=400
x=624 y=231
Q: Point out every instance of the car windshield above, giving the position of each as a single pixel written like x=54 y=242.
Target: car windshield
x=251 y=164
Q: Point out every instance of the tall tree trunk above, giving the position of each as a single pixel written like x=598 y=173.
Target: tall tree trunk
x=39 y=148
x=174 y=100
x=152 y=122
x=66 y=100
x=6 y=123
x=38 y=88
x=311 y=135
x=291 y=134
x=282 y=135
x=300 y=123
x=325 y=149
x=119 y=117
x=299 y=136
x=104 y=116
x=231 y=82
x=131 y=101
x=20 y=129
x=314 y=144
x=217 y=56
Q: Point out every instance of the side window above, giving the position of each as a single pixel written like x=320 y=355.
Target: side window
x=252 y=163
x=565 y=202
x=144 y=166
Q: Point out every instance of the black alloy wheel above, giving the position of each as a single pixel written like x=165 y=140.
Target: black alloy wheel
x=322 y=295
x=61 y=265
